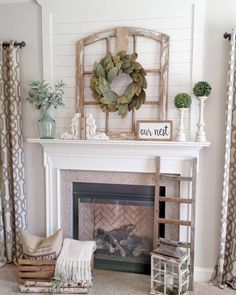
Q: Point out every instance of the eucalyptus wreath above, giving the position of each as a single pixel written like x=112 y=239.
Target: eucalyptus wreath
x=106 y=70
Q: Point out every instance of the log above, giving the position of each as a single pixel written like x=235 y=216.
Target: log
x=108 y=237
x=143 y=248
x=37 y=284
x=122 y=232
x=50 y=284
x=24 y=289
x=49 y=287
x=130 y=243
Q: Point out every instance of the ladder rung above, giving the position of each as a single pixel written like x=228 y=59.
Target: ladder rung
x=152 y=70
x=174 y=243
x=88 y=103
x=174 y=221
x=146 y=70
x=97 y=103
x=150 y=102
x=176 y=177
x=175 y=200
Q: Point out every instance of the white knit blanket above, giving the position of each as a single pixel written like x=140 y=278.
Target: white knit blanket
x=74 y=262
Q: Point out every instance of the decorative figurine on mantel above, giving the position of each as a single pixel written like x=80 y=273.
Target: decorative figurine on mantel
x=182 y=102
x=75 y=128
x=91 y=129
x=201 y=90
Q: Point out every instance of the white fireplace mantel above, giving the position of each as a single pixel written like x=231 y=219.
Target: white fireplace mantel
x=118 y=149
x=122 y=156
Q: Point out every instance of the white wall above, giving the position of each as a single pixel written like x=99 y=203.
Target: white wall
x=220 y=18
x=23 y=22
x=69 y=25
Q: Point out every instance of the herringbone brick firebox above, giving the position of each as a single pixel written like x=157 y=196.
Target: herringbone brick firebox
x=120 y=219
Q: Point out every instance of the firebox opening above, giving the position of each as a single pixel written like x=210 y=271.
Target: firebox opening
x=120 y=218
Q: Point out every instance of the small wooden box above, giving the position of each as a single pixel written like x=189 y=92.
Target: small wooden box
x=41 y=270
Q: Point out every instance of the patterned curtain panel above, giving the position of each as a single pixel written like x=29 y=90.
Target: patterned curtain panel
x=225 y=271
x=12 y=190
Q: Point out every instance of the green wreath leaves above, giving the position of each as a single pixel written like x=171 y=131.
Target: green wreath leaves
x=106 y=71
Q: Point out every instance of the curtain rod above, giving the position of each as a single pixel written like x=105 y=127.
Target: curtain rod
x=20 y=44
x=227 y=36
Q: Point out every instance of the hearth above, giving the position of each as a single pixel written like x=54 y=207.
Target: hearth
x=120 y=218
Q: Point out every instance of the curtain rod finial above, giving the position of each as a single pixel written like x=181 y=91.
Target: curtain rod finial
x=22 y=44
x=227 y=36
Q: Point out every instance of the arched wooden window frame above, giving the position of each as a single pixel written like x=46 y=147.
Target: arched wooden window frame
x=122 y=35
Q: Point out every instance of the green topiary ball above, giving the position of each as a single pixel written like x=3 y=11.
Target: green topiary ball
x=183 y=100
x=202 y=88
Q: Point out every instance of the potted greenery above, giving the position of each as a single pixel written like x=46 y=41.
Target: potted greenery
x=182 y=102
x=201 y=90
x=45 y=97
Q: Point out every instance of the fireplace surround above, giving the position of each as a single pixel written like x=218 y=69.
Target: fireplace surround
x=111 y=156
x=71 y=180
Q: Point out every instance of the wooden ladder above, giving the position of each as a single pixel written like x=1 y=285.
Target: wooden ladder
x=189 y=223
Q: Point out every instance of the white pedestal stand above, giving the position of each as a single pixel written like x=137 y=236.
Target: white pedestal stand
x=201 y=133
x=180 y=136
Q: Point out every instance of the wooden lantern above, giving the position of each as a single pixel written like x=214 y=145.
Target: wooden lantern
x=169 y=275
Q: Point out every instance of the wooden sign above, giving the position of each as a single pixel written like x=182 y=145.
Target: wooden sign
x=154 y=130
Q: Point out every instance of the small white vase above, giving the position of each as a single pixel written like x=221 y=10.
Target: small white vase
x=201 y=133
x=180 y=136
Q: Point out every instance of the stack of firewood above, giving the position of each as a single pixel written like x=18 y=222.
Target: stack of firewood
x=52 y=287
x=123 y=242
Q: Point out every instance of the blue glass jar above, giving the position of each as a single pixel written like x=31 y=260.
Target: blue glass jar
x=46 y=126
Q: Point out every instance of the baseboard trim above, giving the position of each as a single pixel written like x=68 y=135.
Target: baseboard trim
x=202 y=274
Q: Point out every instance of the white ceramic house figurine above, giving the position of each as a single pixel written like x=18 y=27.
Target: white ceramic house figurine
x=201 y=90
x=182 y=102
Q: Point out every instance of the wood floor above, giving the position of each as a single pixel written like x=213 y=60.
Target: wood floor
x=109 y=283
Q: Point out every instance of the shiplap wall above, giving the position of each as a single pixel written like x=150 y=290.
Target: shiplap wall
x=69 y=27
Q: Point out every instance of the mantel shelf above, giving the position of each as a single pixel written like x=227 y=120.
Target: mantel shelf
x=125 y=143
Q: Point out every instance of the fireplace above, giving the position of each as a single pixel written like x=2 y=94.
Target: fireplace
x=120 y=218
x=117 y=210
x=119 y=162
